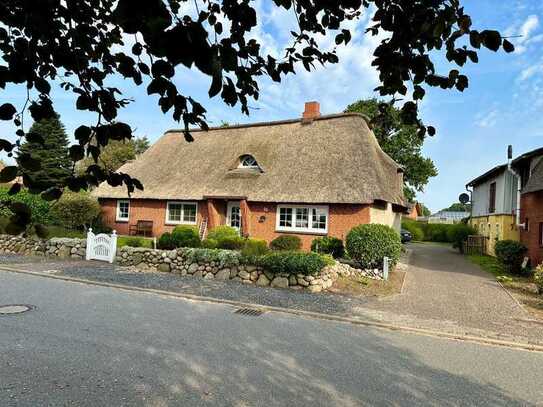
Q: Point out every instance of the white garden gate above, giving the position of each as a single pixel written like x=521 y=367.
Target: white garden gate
x=101 y=246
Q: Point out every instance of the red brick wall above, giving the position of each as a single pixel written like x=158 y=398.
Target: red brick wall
x=143 y=209
x=342 y=218
x=531 y=207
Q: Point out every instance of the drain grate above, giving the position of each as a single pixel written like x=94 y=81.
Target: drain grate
x=14 y=309
x=250 y=312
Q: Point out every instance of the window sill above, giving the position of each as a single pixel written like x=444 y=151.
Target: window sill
x=122 y=220
x=302 y=232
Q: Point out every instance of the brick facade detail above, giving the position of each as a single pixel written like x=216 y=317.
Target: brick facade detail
x=532 y=211
x=259 y=222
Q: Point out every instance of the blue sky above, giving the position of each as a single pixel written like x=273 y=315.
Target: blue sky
x=503 y=105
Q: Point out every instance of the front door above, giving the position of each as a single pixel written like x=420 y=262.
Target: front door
x=233 y=216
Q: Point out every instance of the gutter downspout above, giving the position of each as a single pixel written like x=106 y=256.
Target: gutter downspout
x=519 y=188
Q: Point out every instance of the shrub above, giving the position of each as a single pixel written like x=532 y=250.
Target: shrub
x=165 y=242
x=210 y=243
x=219 y=233
x=538 y=277
x=41 y=209
x=254 y=247
x=436 y=232
x=223 y=258
x=328 y=245
x=76 y=210
x=133 y=241
x=415 y=228
x=231 y=243
x=511 y=254
x=293 y=262
x=185 y=236
x=286 y=242
x=369 y=244
x=458 y=234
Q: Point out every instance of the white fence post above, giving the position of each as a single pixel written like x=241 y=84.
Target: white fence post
x=90 y=241
x=386 y=261
x=113 y=246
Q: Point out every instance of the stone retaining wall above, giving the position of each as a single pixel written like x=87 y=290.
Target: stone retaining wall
x=56 y=247
x=183 y=261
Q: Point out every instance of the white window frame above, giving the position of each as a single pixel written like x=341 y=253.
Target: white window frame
x=310 y=228
x=180 y=222
x=118 y=217
x=242 y=162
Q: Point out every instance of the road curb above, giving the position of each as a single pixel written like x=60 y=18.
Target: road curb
x=309 y=314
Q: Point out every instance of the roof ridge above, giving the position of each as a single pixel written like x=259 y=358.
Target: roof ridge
x=278 y=122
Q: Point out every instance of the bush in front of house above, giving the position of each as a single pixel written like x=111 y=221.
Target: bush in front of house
x=328 y=245
x=40 y=208
x=511 y=254
x=221 y=232
x=254 y=247
x=286 y=242
x=293 y=262
x=185 y=236
x=458 y=234
x=210 y=243
x=223 y=258
x=369 y=244
x=436 y=232
x=414 y=228
x=165 y=242
x=76 y=210
x=231 y=243
x=133 y=241
x=538 y=277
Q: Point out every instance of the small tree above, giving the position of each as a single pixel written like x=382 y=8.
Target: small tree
x=76 y=210
x=49 y=145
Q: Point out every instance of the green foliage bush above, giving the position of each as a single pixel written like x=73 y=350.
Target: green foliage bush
x=254 y=248
x=231 y=243
x=328 y=245
x=210 y=243
x=458 y=234
x=511 y=254
x=76 y=210
x=219 y=233
x=369 y=244
x=286 y=242
x=185 y=236
x=436 y=232
x=293 y=262
x=133 y=241
x=223 y=258
x=41 y=209
x=415 y=228
x=165 y=242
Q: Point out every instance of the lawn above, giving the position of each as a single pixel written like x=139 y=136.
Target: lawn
x=134 y=241
x=366 y=287
x=489 y=264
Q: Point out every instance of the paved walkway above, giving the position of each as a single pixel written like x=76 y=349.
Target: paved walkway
x=445 y=291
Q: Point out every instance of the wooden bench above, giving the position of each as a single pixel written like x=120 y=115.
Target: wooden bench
x=142 y=227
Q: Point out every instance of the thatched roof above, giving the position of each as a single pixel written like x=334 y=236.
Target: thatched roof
x=331 y=159
x=535 y=182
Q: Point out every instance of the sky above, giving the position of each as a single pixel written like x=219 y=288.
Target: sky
x=502 y=106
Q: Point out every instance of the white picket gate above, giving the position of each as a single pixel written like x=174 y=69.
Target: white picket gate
x=101 y=246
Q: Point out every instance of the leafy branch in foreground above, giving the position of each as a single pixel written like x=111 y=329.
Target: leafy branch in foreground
x=81 y=44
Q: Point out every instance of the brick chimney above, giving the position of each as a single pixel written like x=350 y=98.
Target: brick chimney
x=312 y=110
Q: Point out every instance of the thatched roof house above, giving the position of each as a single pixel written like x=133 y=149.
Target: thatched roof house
x=318 y=160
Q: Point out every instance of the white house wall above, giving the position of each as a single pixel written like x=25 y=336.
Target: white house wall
x=506 y=192
x=386 y=216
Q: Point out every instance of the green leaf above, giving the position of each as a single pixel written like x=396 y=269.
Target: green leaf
x=7 y=110
x=8 y=173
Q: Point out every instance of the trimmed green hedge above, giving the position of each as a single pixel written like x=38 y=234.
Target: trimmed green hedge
x=369 y=244
x=415 y=228
x=328 y=245
x=293 y=262
x=185 y=236
x=286 y=242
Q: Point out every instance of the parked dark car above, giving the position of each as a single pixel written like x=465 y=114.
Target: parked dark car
x=406 y=236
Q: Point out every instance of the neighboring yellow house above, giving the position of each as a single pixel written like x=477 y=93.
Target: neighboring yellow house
x=494 y=204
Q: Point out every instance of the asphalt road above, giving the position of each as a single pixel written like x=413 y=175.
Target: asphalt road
x=95 y=346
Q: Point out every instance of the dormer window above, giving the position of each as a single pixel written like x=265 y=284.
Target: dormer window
x=247 y=161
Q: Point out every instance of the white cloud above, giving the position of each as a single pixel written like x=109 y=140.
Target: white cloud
x=525 y=31
x=487 y=119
